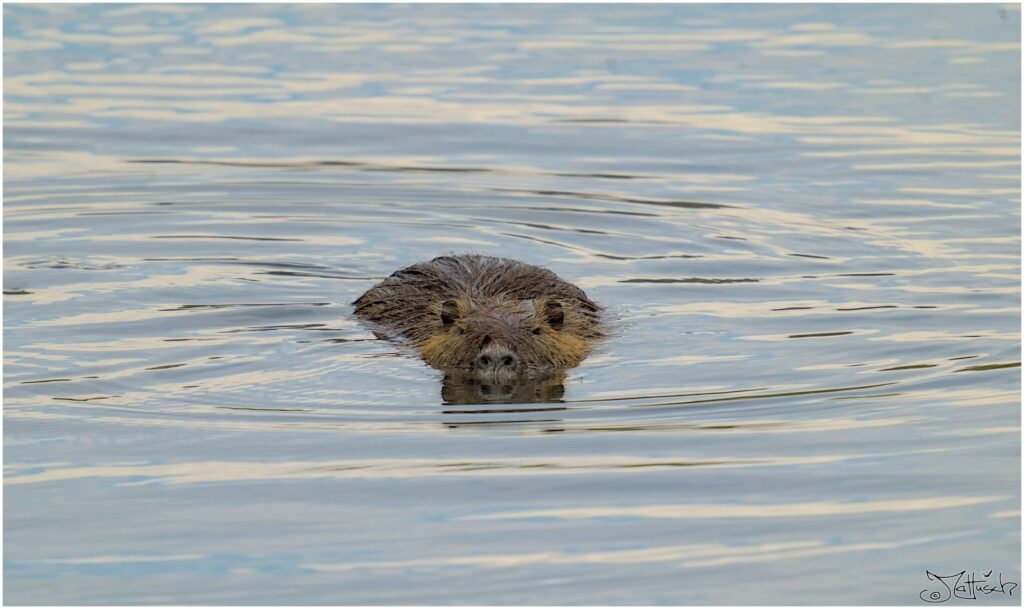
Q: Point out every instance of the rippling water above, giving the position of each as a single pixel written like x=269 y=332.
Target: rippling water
x=804 y=221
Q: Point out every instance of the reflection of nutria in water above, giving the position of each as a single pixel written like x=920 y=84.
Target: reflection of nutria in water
x=493 y=320
x=462 y=388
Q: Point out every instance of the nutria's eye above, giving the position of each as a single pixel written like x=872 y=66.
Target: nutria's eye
x=554 y=315
x=536 y=331
x=449 y=313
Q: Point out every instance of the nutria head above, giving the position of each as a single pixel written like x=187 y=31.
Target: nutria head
x=501 y=339
x=501 y=330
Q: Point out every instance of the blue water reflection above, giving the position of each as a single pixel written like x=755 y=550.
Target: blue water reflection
x=804 y=221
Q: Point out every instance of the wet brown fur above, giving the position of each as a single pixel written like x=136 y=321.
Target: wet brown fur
x=488 y=303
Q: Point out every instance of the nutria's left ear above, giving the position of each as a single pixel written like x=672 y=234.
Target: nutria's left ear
x=449 y=313
x=554 y=314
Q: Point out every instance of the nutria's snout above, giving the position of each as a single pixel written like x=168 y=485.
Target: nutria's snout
x=496 y=362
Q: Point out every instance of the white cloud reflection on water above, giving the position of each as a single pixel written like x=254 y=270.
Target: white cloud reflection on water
x=225 y=471
x=686 y=557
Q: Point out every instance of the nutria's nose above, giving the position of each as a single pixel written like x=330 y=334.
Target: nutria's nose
x=497 y=362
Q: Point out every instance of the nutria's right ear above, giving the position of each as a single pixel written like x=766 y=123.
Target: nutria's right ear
x=449 y=313
x=554 y=314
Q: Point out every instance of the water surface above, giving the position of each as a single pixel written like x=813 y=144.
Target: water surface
x=804 y=220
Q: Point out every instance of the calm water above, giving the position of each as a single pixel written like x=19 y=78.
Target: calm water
x=804 y=220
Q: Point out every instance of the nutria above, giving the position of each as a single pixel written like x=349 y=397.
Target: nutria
x=496 y=319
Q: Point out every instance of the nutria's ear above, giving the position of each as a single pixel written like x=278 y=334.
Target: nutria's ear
x=554 y=314
x=449 y=313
